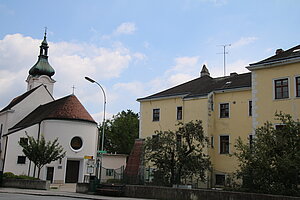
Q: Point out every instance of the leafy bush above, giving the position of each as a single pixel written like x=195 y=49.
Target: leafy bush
x=10 y=175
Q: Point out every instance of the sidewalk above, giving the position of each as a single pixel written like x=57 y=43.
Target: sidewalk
x=55 y=192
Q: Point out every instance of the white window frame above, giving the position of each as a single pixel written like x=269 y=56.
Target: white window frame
x=295 y=86
x=220 y=144
x=289 y=87
x=158 y=115
x=221 y=174
x=181 y=113
x=228 y=110
x=18 y=160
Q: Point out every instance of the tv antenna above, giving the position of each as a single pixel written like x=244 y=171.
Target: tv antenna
x=224 y=53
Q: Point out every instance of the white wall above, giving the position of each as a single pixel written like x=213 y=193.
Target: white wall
x=64 y=130
x=14 y=150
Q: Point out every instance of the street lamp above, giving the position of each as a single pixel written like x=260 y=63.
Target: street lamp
x=103 y=123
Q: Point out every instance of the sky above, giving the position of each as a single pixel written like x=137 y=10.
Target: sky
x=135 y=48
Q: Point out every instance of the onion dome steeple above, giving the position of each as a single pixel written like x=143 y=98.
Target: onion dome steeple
x=42 y=66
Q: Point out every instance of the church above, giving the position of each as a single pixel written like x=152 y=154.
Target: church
x=37 y=113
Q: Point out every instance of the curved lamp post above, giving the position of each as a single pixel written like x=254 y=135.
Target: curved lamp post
x=103 y=123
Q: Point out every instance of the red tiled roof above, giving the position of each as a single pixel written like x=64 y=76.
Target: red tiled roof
x=67 y=108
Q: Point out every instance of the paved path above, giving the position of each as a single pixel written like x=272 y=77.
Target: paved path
x=61 y=194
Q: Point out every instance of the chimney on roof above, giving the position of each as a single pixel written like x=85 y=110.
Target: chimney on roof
x=204 y=71
x=233 y=73
x=278 y=51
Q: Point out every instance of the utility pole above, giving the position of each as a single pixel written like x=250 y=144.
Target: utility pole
x=224 y=54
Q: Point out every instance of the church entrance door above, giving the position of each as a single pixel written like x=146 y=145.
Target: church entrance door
x=72 y=171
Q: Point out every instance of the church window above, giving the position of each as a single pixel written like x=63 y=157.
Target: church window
x=76 y=143
x=23 y=141
x=21 y=160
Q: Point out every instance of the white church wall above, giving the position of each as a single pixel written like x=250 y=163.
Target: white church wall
x=14 y=150
x=43 y=79
x=65 y=130
x=27 y=105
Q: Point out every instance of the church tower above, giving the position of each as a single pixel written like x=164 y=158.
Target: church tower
x=42 y=71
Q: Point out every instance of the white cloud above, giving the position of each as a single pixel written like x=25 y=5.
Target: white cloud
x=126 y=28
x=71 y=61
x=185 y=69
x=135 y=88
x=98 y=117
x=243 y=41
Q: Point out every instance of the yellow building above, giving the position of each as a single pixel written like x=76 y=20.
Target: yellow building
x=229 y=107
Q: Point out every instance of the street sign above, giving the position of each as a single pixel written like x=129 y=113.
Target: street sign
x=102 y=151
x=88 y=157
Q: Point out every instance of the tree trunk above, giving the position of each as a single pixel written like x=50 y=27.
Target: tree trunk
x=39 y=171
x=34 y=170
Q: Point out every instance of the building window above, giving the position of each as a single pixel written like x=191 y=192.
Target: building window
x=224 y=144
x=155 y=139
x=220 y=179
x=179 y=113
x=156 y=113
x=76 y=143
x=1 y=128
x=297 y=86
x=279 y=126
x=250 y=141
x=109 y=172
x=281 y=88
x=224 y=110
x=250 y=108
x=212 y=141
x=178 y=141
x=21 y=160
x=23 y=141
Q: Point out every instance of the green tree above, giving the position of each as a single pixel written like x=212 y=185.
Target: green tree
x=41 y=152
x=120 y=132
x=272 y=163
x=178 y=154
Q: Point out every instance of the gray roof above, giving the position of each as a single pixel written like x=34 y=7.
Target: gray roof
x=202 y=86
x=292 y=53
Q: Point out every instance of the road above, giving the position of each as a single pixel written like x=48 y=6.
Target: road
x=6 y=196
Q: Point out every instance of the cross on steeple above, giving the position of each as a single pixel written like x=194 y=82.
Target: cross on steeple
x=46 y=31
x=73 y=87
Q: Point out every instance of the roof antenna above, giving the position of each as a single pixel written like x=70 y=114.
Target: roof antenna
x=224 y=53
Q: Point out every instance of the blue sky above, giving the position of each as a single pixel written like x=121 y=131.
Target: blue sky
x=135 y=48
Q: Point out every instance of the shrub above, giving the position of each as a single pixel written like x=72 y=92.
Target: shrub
x=10 y=175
